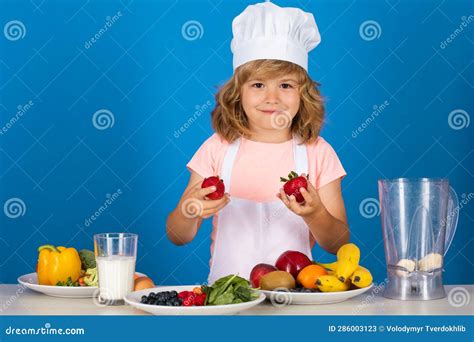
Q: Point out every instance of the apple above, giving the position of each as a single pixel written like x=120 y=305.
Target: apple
x=292 y=262
x=258 y=271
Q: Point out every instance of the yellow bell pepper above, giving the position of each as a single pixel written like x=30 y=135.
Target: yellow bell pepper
x=57 y=264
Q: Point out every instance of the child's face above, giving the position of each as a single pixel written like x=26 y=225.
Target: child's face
x=261 y=96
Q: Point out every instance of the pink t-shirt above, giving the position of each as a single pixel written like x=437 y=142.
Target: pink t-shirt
x=258 y=167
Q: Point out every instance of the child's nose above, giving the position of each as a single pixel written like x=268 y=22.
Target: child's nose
x=271 y=95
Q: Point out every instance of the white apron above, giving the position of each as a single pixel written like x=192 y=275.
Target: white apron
x=249 y=232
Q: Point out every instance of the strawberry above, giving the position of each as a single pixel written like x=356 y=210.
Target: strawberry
x=200 y=299
x=293 y=184
x=185 y=294
x=218 y=183
x=187 y=298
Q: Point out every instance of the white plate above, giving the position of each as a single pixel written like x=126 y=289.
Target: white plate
x=288 y=298
x=134 y=298
x=30 y=280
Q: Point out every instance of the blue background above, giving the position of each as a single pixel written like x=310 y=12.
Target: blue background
x=171 y=328
x=152 y=79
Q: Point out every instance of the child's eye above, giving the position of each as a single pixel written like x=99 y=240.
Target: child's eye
x=286 y=86
x=257 y=85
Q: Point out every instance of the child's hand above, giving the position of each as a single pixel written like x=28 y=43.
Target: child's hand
x=311 y=205
x=196 y=204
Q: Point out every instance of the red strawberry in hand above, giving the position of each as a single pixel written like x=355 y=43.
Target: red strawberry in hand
x=218 y=183
x=293 y=184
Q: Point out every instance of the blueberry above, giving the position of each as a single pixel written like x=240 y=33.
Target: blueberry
x=174 y=293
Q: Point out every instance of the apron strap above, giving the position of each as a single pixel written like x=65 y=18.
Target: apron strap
x=300 y=156
x=228 y=163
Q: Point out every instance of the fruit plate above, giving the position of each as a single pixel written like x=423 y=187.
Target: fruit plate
x=134 y=298
x=282 y=298
x=30 y=280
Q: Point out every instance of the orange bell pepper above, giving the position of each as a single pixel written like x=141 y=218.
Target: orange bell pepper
x=57 y=264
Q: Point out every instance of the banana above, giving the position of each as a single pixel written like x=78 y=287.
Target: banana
x=407 y=266
x=361 y=277
x=329 y=267
x=329 y=283
x=348 y=257
x=430 y=262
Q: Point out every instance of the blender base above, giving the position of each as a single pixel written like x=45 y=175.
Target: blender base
x=415 y=286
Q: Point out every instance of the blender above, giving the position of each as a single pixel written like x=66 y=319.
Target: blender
x=419 y=219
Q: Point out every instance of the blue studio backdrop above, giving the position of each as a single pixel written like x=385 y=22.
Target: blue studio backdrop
x=102 y=104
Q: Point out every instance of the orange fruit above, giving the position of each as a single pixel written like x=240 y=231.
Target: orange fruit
x=308 y=275
x=142 y=283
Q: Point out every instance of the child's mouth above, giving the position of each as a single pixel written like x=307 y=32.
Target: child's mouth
x=268 y=111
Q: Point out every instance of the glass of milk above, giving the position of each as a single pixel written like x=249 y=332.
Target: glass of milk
x=116 y=254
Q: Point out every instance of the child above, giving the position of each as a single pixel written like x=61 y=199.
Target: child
x=267 y=121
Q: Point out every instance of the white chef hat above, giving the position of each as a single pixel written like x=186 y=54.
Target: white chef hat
x=267 y=31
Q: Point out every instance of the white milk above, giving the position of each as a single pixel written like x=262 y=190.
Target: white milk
x=115 y=276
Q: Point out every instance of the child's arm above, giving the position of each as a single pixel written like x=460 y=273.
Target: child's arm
x=324 y=213
x=184 y=221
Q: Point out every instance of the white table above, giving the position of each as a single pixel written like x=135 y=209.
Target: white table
x=32 y=303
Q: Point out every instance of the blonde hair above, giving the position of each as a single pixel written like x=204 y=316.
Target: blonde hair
x=229 y=119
